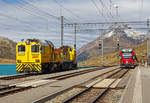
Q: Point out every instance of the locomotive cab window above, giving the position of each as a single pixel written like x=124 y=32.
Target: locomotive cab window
x=71 y=49
x=35 y=48
x=21 y=49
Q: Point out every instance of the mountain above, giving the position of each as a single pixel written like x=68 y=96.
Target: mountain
x=113 y=59
x=127 y=36
x=7 y=48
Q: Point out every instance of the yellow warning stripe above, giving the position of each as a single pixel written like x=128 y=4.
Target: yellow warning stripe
x=36 y=66
x=32 y=67
x=20 y=67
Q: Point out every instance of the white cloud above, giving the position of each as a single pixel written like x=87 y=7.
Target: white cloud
x=24 y=21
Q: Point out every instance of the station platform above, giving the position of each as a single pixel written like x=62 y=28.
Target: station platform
x=138 y=87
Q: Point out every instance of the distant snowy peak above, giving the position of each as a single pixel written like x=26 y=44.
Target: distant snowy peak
x=124 y=30
x=109 y=34
x=132 y=32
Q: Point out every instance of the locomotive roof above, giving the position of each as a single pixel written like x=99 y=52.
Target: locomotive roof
x=42 y=42
x=46 y=42
x=65 y=47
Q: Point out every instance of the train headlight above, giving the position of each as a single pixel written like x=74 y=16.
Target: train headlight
x=37 y=60
x=19 y=61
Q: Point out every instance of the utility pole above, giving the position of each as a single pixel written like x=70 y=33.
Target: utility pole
x=62 y=35
x=75 y=35
x=102 y=51
x=62 y=29
x=147 y=41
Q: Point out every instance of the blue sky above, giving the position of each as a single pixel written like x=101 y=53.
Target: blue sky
x=12 y=1
x=31 y=19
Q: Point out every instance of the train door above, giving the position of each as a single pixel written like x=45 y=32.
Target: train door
x=33 y=53
x=21 y=53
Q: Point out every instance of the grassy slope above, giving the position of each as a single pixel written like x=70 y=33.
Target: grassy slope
x=113 y=58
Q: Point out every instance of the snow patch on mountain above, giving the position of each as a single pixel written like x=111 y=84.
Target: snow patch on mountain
x=133 y=33
x=124 y=30
x=111 y=33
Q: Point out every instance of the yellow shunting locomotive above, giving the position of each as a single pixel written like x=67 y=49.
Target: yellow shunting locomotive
x=34 y=55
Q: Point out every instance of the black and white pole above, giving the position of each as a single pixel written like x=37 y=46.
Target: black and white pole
x=102 y=52
x=147 y=42
x=118 y=45
x=101 y=46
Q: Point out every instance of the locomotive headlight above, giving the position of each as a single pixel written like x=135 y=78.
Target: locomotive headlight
x=37 y=60
x=19 y=61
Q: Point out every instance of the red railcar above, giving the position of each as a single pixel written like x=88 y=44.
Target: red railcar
x=128 y=58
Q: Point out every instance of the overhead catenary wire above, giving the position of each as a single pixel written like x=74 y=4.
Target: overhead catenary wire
x=141 y=9
x=68 y=10
x=110 y=5
x=40 y=10
x=99 y=10
x=31 y=3
x=27 y=11
x=18 y=20
x=37 y=10
x=108 y=11
x=108 y=14
x=42 y=13
x=30 y=11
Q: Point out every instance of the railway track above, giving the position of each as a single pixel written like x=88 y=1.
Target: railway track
x=12 y=77
x=100 y=95
x=116 y=70
x=65 y=76
x=86 y=95
x=6 y=90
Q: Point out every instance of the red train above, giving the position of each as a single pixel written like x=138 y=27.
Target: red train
x=128 y=58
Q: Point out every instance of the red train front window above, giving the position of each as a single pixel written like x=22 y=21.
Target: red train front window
x=127 y=55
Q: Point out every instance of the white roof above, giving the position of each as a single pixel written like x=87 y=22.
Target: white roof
x=127 y=50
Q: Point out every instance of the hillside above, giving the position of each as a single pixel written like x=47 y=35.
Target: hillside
x=7 y=61
x=113 y=58
x=7 y=50
x=128 y=38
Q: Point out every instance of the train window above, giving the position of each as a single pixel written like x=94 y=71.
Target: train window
x=70 y=49
x=35 y=48
x=21 y=49
x=126 y=55
x=43 y=50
